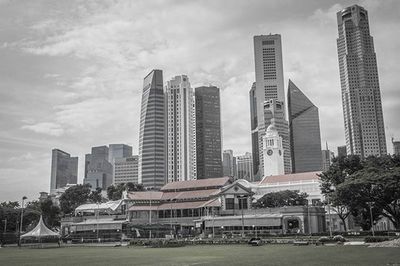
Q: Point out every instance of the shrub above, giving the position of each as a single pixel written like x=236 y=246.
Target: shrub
x=374 y=239
x=339 y=238
x=324 y=239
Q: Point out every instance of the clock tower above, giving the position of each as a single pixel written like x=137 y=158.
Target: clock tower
x=273 y=152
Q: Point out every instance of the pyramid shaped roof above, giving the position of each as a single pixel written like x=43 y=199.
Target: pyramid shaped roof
x=40 y=230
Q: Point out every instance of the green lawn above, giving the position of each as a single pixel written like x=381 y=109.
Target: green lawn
x=203 y=255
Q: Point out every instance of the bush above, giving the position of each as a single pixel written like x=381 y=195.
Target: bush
x=339 y=238
x=324 y=239
x=375 y=239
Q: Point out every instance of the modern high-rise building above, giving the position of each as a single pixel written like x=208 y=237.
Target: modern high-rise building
x=118 y=151
x=64 y=169
x=152 y=133
x=361 y=97
x=341 y=151
x=305 y=135
x=327 y=157
x=126 y=170
x=245 y=167
x=275 y=110
x=269 y=85
x=98 y=170
x=181 y=130
x=228 y=163
x=396 y=147
x=208 y=132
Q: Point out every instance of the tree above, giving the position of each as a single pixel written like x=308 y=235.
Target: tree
x=115 y=192
x=96 y=196
x=73 y=197
x=282 y=198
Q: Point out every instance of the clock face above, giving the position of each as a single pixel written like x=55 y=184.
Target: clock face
x=269 y=152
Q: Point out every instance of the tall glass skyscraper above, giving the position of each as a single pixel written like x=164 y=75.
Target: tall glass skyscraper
x=152 y=133
x=361 y=97
x=64 y=169
x=305 y=135
x=208 y=132
x=181 y=136
x=269 y=85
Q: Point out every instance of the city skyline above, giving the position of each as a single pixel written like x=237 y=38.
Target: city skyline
x=57 y=99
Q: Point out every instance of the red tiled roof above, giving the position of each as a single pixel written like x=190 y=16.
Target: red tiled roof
x=145 y=195
x=190 y=194
x=290 y=178
x=143 y=208
x=199 y=183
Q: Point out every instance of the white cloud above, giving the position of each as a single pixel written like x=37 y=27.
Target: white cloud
x=47 y=128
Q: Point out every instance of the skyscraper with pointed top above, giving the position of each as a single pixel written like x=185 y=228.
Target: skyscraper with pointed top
x=305 y=136
x=361 y=97
x=152 y=140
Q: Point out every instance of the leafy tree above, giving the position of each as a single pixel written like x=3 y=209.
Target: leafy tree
x=115 y=192
x=96 y=196
x=73 y=197
x=10 y=204
x=282 y=198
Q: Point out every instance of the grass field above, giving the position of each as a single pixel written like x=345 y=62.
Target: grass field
x=203 y=255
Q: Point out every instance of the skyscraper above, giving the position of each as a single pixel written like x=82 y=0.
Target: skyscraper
x=126 y=170
x=64 y=169
x=361 y=97
x=208 y=132
x=327 y=157
x=118 y=151
x=229 y=163
x=275 y=110
x=152 y=133
x=342 y=151
x=98 y=170
x=396 y=147
x=245 y=167
x=305 y=136
x=269 y=85
x=181 y=130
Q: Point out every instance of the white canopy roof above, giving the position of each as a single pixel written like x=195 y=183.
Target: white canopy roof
x=92 y=207
x=40 y=230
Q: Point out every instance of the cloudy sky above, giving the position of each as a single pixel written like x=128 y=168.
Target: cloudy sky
x=71 y=72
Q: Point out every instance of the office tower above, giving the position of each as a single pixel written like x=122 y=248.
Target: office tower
x=152 y=134
x=269 y=85
x=254 y=130
x=342 y=151
x=396 y=147
x=64 y=169
x=228 y=163
x=126 y=170
x=305 y=136
x=361 y=97
x=208 y=132
x=327 y=157
x=245 y=167
x=99 y=171
x=273 y=152
x=118 y=151
x=275 y=110
x=181 y=130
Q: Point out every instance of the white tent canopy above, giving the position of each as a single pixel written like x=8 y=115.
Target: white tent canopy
x=40 y=231
x=110 y=206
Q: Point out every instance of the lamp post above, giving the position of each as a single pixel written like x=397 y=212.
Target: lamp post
x=97 y=223
x=371 y=217
x=22 y=215
x=150 y=221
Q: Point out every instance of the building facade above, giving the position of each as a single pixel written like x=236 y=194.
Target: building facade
x=152 y=133
x=269 y=85
x=361 y=96
x=181 y=130
x=118 y=151
x=208 y=132
x=245 y=167
x=327 y=157
x=305 y=135
x=342 y=151
x=275 y=110
x=273 y=152
x=228 y=163
x=64 y=170
x=126 y=170
x=396 y=147
x=98 y=170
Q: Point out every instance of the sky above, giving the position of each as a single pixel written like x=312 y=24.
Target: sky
x=71 y=72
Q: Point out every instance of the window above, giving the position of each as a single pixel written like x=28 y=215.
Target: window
x=242 y=203
x=230 y=203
